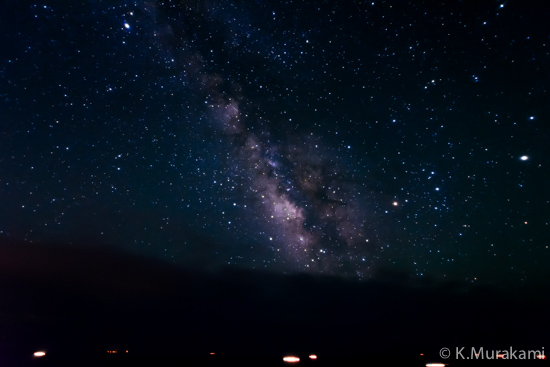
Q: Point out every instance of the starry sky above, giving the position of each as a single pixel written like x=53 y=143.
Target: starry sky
x=360 y=139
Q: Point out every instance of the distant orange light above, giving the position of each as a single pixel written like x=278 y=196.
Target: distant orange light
x=541 y=356
x=500 y=356
x=212 y=353
x=40 y=353
x=435 y=364
x=421 y=354
x=312 y=356
x=126 y=350
x=291 y=359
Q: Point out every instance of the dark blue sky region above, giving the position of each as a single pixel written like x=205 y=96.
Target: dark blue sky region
x=343 y=138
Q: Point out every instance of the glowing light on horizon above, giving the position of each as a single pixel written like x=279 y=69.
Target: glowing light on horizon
x=312 y=356
x=435 y=364
x=291 y=359
x=40 y=353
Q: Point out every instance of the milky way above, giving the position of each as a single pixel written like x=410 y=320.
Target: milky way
x=297 y=199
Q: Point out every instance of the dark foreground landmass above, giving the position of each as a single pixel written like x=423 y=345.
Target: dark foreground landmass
x=78 y=304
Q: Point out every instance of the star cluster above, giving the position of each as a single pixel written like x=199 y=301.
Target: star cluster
x=331 y=137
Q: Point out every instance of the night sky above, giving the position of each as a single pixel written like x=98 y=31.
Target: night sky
x=361 y=140
x=326 y=137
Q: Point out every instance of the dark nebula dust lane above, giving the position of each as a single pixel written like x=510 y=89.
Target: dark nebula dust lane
x=340 y=138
